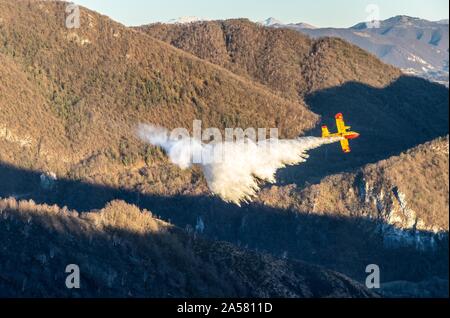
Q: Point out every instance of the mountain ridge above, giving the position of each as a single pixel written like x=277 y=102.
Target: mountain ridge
x=98 y=241
x=285 y=52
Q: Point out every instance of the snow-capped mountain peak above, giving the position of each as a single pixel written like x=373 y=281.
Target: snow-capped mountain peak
x=270 y=22
x=185 y=20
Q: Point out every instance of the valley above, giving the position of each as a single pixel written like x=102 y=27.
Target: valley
x=78 y=186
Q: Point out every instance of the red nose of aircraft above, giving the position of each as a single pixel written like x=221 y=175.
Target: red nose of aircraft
x=352 y=136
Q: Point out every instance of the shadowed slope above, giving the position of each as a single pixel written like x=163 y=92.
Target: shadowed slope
x=391 y=120
x=124 y=252
x=328 y=240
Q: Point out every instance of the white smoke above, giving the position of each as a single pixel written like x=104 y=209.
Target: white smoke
x=233 y=170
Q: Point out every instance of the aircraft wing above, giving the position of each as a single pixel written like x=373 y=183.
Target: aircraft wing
x=340 y=124
x=345 y=145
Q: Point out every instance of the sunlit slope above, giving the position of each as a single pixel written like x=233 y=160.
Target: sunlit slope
x=102 y=79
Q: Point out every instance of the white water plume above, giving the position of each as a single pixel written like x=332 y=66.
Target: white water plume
x=233 y=170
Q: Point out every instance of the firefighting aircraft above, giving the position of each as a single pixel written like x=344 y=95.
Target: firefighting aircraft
x=342 y=131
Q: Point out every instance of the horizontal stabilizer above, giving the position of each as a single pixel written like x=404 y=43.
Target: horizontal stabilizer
x=325 y=132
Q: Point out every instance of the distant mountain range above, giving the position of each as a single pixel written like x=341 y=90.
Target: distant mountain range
x=417 y=46
x=277 y=23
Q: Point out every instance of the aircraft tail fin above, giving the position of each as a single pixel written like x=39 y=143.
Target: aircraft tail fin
x=325 y=132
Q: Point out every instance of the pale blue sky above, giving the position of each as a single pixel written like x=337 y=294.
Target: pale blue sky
x=321 y=13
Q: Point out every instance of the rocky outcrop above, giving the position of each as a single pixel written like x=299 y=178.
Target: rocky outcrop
x=406 y=195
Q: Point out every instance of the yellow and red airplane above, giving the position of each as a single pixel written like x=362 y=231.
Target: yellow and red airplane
x=342 y=131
